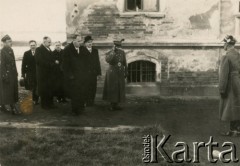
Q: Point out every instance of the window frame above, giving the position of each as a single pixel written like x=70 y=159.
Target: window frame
x=155 y=14
x=142 y=6
x=150 y=73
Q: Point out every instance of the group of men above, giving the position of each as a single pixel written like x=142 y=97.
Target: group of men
x=71 y=73
x=74 y=71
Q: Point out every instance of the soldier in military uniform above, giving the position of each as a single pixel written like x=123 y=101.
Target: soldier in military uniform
x=8 y=77
x=114 y=85
x=229 y=87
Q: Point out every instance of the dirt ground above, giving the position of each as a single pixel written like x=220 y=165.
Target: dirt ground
x=187 y=120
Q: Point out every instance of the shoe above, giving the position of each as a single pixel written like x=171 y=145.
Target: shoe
x=117 y=108
x=35 y=103
x=91 y=104
x=64 y=100
x=110 y=109
x=52 y=107
x=228 y=133
x=15 y=111
x=3 y=109
x=75 y=112
x=45 y=108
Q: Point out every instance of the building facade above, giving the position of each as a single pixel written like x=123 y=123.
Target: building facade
x=173 y=47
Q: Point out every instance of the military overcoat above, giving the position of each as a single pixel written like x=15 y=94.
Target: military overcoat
x=8 y=77
x=229 y=86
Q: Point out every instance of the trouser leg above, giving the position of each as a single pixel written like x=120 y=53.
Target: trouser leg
x=91 y=89
x=35 y=97
x=234 y=125
x=43 y=101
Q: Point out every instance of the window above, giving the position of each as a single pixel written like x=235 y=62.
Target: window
x=141 y=71
x=142 y=5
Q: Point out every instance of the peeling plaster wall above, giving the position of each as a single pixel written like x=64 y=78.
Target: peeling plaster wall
x=228 y=10
x=180 y=70
x=184 y=20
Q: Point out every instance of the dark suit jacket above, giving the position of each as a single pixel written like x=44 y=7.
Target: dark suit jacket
x=93 y=64
x=75 y=72
x=28 y=64
x=45 y=64
x=74 y=64
x=58 y=55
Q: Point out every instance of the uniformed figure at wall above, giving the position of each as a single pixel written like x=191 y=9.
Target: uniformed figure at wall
x=93 y=70
x=114 y=85
x=229 y=87
x=29 y=71
x=8 y=77
x=58 y=76
x=74 y=67
x=45 y=64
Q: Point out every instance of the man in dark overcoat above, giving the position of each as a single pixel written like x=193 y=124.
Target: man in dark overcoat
x=45 y=63
x=58 y=73
x=229 y=87
x=29 y=71
x=93 y=70
x=114 y=85
x=8 y=77
x=74 y=67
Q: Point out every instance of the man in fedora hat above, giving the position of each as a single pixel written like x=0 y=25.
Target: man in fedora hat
x=8 y=77
x=29 y=70
x=229 y=87
x=93 y=70
x=114 y=85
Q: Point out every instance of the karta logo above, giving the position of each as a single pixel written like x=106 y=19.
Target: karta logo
x=153 y=148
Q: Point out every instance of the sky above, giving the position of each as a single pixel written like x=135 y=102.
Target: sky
x=24 y=20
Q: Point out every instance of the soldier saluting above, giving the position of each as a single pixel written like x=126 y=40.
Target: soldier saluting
x=229 y=87
x=8 y=77
x=114 y=85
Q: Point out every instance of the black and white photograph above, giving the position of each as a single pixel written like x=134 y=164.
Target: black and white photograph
x=119 y=82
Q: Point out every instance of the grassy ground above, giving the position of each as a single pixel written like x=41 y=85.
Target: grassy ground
x=186 y=120
x=40 y=147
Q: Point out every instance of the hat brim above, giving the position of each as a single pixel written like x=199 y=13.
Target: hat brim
x=88 y=40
